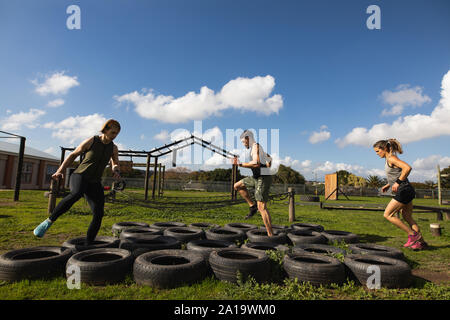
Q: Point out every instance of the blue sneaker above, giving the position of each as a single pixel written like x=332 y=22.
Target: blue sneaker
x=42 y=228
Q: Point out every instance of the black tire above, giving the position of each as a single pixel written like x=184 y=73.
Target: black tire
x=226 y=264
x=169 y=268
x=307 y=198
x=264 y=246
x=144 y=244
x=260 y=235
x=33 y=263
x=376 y=250
x=184 y=234
x=238 y=226
x=225 y=234
x=203 y=225
x=167 y=224
x=139 y=232
x=340 y=236
x=77 y=244
x=101 y=266
x=318 y=248
x=118 y=227
x=307 y=226
x=306 y=237
x=279 y=228
x=205 y=246
x=394 y=273
x=314 y=268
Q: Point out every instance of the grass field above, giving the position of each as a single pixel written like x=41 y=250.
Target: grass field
x=17 y=221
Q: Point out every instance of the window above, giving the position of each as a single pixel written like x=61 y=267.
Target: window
x=49 y=172
x=27 y=172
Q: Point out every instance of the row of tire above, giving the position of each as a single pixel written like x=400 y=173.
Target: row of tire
x=155 y=258
x=297 y=233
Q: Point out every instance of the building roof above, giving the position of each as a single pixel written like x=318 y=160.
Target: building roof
x=13 y=148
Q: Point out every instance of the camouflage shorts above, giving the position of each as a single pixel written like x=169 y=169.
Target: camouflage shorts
x=261 y=186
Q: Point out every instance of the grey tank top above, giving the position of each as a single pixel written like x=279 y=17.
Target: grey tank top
x=392 y=173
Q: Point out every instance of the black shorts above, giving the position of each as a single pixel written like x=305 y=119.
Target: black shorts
x=405 y=193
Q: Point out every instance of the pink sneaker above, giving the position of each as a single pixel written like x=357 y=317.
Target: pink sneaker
x=412 y=239
x=418 y=246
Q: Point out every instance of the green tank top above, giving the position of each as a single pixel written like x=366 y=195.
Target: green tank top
x=95 y=161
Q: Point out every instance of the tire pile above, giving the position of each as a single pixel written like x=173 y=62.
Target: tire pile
x=172 y=254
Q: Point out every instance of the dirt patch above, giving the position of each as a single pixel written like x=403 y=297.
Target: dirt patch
x=432 y=276
x=8 y=204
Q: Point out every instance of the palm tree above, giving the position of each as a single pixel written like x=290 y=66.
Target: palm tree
x=374 y=181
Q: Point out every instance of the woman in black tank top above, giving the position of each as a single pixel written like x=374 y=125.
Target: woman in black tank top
x=86 y=179
x=397 y=172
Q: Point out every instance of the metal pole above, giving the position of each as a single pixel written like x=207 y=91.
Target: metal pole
x=19 y=168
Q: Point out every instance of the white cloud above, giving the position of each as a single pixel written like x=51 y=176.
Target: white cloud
x=242 y=93
x=426 y=168
x=403 y=97
x=17 y=120
x=162 y=136
x=55 y=103
x=408 y=128
x=76 y=129
x=322 y=135
x=57 y=83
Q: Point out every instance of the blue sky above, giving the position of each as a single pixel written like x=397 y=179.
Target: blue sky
x=311 y=69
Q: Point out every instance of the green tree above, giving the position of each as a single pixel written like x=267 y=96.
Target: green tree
x=343 y=177
x=445 y=181
x=288 y=175
x=375 y=181
x=356 y=181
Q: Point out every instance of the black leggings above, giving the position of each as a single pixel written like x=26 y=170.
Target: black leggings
x=94 y=196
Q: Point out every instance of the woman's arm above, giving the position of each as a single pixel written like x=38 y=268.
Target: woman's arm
x=115 y=163
x=83 y=147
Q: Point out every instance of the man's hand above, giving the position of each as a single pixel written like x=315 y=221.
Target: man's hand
x=385 y=188
x=235 y=161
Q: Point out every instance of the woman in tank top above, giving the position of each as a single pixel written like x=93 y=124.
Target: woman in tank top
x=86 y=179
x=397 y=172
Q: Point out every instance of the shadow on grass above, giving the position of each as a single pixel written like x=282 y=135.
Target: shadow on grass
x=4 y=216
x=371 y=238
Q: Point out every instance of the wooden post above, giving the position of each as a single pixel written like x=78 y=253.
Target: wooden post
x=54 y=187
x=61 y=160
x=233 y=180
x=159 y=180
x=439 y=185
x=19 y=168
x=163 y=180
x=291 y=204
x=146 y=178
x=439 y=216
x=154 y=177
